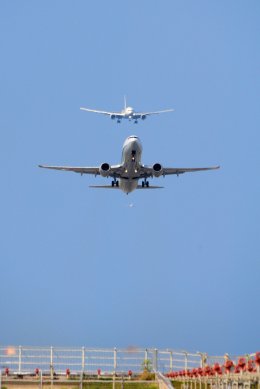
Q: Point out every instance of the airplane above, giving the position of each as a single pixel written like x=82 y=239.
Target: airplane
x=126 y=175
x=127 y=113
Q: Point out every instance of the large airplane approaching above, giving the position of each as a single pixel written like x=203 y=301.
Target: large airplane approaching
x=127 y=174
x=127 y=113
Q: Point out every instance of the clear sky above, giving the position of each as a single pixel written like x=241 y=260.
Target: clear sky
x=179 y=269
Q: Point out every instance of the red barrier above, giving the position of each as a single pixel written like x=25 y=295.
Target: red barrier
x=37 y=371
x=67 y=373
x=6 y=371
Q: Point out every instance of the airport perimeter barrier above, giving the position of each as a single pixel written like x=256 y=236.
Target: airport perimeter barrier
x=57 y=360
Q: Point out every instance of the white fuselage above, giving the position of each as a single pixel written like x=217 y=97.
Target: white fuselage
x=128 y=112
x=131 y=160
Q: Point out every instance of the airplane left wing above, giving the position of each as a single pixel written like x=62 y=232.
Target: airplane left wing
x=169 y=170
x=152 y=113
x=148 y=171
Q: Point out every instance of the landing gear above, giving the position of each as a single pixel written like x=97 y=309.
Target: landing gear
x=115 y=182
x=118 y=121
x=145 y=183
x=136 y=121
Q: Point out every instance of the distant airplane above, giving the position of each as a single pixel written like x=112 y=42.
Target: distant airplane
x=126 y=175
x=126 y=113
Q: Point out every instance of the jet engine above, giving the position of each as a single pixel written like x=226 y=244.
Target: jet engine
x=143 y=117
x=157 y=170
x=104 y=169
x=112 y=117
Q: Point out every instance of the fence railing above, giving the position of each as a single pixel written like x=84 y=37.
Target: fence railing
x=21 y=359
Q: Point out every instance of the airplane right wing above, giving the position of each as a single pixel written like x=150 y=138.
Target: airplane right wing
x=114 y=171
x=115 y=114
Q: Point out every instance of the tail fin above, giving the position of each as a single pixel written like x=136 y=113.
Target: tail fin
x=125 y=101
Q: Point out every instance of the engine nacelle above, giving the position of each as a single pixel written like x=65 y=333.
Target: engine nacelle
x=104 y=169
x=143 y=117
x=112 y=117
x=157 y=170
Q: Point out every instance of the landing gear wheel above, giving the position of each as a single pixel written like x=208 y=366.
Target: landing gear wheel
x=113 y=183
x=117 y=183
x=142 y=184
x=147 y=184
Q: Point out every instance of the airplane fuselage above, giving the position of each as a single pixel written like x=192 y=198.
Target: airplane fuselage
x=128 y=113
x=131 y=161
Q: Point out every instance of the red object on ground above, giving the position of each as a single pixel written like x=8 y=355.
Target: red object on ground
x=7 y=371
x=251 y=366
x=67 y=372
x=217 y=368
x=228 y=365
x=242 y=363
x=37 y=371
x=207 y=370
x=194 y=372
x=257 y=358
x=130 y=373
x=237 y=369
x=200 y=371
x=99 y=371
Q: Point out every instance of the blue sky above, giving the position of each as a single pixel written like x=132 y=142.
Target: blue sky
x=179 y=269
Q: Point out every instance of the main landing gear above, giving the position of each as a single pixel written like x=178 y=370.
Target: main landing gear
x=145 y=183
x=115 y=182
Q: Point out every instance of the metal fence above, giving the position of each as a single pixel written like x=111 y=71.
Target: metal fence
x=20 y=359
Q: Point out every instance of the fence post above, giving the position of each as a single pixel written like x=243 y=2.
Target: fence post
x=83 y=360
x=171 y=362
x=115 y=360
x=185 y=361
x=155 y=359
x=145 y=355
x=19 y=358
x=51 y=367
x=40 y=379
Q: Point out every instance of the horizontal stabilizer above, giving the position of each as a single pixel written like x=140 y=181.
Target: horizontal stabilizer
x=104 y=186
x=149 y=187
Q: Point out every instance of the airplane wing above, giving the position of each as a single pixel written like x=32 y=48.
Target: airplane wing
x=147 y=171
x=116 y=114
x=114 y=171
x=140 y=114
x=117 y=187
